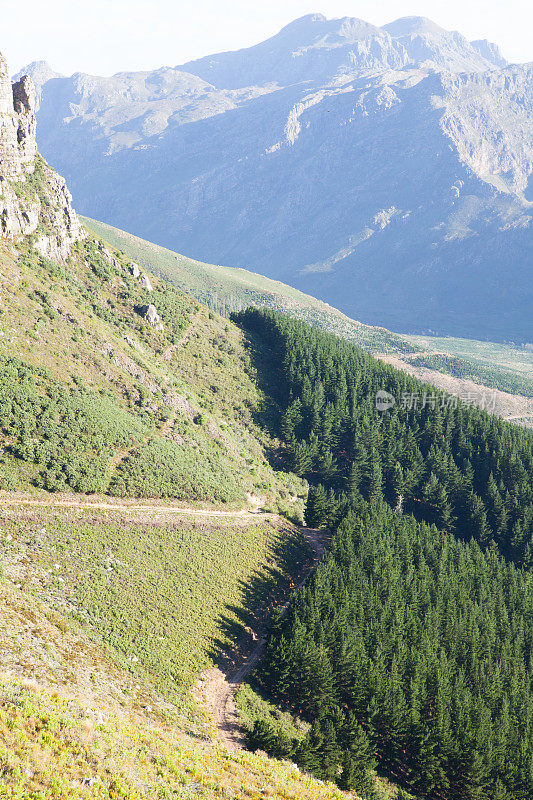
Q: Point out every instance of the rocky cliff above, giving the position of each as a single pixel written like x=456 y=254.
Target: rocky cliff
x=34 y=200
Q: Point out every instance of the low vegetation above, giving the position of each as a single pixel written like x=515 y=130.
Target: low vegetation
x=56 y=747
x=226 y=290
x=70 y=434
x=168 y=596
x=100 y=401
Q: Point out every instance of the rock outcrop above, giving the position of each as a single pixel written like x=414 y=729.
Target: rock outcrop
x=144 y=280
x=33 y=198
x=150 y=314
x=18 y=147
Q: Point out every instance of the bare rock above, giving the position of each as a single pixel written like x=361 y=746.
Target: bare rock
x=22 y=208
x=134 y=269
x=150 y=314
x=18 y=147
x=145 y=281
x=132 y=343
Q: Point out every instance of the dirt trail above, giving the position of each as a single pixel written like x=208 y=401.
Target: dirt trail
x=215 y=690
x=171 y=349
x=16 y=499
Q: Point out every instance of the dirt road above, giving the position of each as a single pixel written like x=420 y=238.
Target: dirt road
x=253 y=511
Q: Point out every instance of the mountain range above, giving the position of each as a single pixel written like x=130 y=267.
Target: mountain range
x=386 y=170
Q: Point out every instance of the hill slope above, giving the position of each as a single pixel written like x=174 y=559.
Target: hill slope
x=114 y=383
x=502 y=374
x=384 y=170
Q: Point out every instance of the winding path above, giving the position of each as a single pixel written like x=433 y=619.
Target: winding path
x=215 y=690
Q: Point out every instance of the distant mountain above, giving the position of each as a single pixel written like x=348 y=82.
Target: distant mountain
x=385 y=170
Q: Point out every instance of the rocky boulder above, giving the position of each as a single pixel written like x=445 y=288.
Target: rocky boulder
x=150 y=314
x=144 y=280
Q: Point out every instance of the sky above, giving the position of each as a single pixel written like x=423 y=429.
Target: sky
x=102 y=37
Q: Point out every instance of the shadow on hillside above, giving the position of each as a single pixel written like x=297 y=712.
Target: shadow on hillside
x=240 y=626
x=270 y=381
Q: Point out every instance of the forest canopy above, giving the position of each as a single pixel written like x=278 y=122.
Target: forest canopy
x=411 y=647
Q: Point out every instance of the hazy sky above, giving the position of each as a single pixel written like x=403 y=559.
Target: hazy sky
x=105 y=36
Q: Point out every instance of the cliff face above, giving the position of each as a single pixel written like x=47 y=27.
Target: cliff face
x=18 y=147
x=33 y=198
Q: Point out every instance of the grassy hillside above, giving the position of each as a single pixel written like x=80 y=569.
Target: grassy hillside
x=111 y=601
x=98 y=400
x=75 y=725
x=166 y=596
x=226 y=289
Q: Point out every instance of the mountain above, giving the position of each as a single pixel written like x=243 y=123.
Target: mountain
x=386 y=171
x=131 y=557
x=157 y=463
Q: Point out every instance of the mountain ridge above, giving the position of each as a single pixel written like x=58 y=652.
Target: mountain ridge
x=389 y=175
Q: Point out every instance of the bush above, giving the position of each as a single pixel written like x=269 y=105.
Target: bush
x=70 y=433
x=162 y=468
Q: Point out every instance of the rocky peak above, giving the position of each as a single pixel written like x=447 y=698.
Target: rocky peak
x=24 y=96
x=409 y=26
x=489 y=51
x=6 y=94
x=40 y=206
x=427 y=43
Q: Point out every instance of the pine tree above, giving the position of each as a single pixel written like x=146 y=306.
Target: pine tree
x=316 y=509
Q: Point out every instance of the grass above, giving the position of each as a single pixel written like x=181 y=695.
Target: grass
x=167 y=598
x=252 y=707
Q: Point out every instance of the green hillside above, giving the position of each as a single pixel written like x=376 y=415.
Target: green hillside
x=226 y=289
x=98 y=400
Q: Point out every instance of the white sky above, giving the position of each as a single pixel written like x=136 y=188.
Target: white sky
x=106 y=36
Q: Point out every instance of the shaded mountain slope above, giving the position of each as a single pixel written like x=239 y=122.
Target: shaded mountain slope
x=383 y=170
